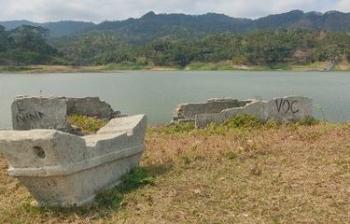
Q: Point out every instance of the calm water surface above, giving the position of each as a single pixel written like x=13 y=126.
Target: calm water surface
x=157 y=93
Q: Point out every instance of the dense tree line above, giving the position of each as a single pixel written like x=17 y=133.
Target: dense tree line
x=256 y=48
x=25 y=45
x=28 y=45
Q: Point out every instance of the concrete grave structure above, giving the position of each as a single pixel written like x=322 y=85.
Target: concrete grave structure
x=285 y=109
x=51 y=113
x=187 y=112
x=62 y=169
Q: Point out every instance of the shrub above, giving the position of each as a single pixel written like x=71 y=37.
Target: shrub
x=308 y=121
x=244 y=121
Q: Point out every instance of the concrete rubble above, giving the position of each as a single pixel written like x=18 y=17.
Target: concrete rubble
x=187 y=112
x=285 y=109
x=62 y=169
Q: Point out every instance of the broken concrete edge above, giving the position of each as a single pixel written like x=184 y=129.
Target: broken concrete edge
x=203 y=120
x=274 y=109
x=133 y=125
x=89 y=106
x=213 y=100
x=186 y=111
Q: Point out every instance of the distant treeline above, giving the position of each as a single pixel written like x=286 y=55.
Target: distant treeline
x=28 y=45
x=25 y=45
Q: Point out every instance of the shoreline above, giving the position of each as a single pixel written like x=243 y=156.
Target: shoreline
x=32 y=69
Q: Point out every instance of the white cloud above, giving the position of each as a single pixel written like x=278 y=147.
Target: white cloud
x=343 y=5
x=99 y=10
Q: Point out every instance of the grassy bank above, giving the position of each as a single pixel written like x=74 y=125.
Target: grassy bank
x=241 y=172
x=220 y=66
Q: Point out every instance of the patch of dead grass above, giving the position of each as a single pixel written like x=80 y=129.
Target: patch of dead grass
x=86 y=125
x=285 y=174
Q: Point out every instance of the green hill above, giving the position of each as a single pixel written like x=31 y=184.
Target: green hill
x=153 y=25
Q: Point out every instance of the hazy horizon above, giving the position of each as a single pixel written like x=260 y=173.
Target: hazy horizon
x=111 y=10
x=87 y=21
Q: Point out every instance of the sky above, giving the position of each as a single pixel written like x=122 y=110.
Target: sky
x=101 y=10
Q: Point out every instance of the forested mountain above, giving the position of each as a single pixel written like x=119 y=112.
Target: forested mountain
x=55 y=29
x=329 y=21
x=269 y=48
x=13 y=24
x=153 y=25
x=180 y=40
x=25 y=45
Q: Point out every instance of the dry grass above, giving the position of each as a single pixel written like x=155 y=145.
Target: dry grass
x=343 y=65
x=284 y=174
x=87 y=125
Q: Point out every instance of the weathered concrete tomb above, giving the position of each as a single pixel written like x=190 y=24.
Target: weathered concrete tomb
x=285 y=109
x=51 y=113
x=63 y=169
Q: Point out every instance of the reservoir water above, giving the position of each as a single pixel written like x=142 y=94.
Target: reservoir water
x=157 y=93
